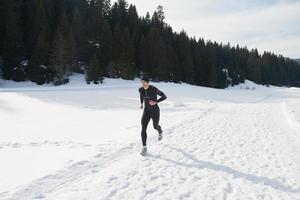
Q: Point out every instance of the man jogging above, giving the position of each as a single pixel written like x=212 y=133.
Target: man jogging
x=149 y=102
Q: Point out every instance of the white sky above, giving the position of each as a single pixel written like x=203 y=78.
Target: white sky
x=272 y=25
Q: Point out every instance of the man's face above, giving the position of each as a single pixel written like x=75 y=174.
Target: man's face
x=144 y=83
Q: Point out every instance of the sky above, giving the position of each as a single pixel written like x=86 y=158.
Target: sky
x=271 y=25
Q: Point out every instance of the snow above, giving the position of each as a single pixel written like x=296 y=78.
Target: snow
x=80 y=141
x=24 y=63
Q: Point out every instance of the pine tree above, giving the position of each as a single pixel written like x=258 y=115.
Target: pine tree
x=160 y=14
x=158 y=18
x=119 y=14
x=127 y=60
x=71 y=53
x=38 y=71
x=143 y=56
x=36 y=23
x=94 y=72
x=253 y=68
x=133 y=19
x=185 y=58
x=58 y=61
x=212 y=76
x=156 y=52
x=79 y=30
x=3 y=14
x=63 y=54
x=13 y=47
x=100 y=36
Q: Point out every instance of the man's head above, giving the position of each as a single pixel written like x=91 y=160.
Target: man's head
x=145 y=81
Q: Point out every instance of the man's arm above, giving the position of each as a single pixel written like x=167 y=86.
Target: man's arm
x=141 y=98
x=163 y=96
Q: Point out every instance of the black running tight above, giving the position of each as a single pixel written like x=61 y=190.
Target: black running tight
x=151 y=113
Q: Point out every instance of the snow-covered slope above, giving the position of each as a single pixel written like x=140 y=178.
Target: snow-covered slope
x=82 y=141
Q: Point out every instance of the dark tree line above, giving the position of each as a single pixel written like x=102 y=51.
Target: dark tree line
x=46 y=40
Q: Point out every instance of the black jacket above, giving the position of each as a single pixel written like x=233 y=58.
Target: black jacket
x=151 y=94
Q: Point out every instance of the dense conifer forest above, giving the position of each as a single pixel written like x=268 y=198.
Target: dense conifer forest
x=46 y=40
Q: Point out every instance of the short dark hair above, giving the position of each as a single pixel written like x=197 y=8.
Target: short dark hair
x=145 y=78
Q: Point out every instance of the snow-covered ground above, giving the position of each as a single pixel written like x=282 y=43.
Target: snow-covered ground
x=81 y=141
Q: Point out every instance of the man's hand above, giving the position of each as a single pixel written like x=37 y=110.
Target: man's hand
x=141 y=107
x=152 y=103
